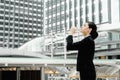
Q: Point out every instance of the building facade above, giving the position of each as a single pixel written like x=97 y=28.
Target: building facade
x=20 y=21
x=62 y=14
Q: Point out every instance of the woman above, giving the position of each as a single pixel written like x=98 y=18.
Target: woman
x=86 y=49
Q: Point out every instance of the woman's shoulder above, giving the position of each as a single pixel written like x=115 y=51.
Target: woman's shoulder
x=89 y=38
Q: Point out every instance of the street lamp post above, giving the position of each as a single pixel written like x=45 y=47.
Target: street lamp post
x=65 y=55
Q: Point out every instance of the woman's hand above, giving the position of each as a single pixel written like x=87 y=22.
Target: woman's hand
x=73 y=30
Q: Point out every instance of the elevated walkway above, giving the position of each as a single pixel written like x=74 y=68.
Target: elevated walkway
x=111 y=48
x=104 y=68
x=22 y=58
x=17 y=61
x=20 y=53
x=108 y=48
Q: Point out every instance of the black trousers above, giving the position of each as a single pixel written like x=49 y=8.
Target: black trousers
x=87 y=73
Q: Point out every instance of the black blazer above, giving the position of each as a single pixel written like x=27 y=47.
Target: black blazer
x=86 y=48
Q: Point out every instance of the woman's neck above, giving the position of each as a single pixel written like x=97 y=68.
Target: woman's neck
x=87 y=35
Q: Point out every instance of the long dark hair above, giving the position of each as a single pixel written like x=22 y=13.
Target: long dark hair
x=94 y=32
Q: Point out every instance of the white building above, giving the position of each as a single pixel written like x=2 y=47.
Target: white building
x=20 y=21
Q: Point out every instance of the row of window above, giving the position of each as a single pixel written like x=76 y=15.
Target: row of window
x=21 y=25
x=56 y=28
x=55 y=45
x=28 y=10
x=34 y=9
x=23 y=11
x=6 y=7
x=37 y=10
x=95 y=12
x=57 y=9
x=10 y=40
x=34 y=20
x=19 y=35
x=22 y=4
x=20 y=30
x=17 y=8
x=82 y=2
x=53 y=2
x=23 y=16
x=96 y=18
x=31 y=30
x=33 y=1
x=56 y=19
x=9 y=45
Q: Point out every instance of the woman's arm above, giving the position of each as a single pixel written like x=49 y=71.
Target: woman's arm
x=71 y=45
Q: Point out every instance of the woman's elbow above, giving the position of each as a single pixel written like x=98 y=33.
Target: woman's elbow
x=68 y=48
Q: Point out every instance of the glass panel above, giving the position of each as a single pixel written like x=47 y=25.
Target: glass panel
x=104 y=11
x=115 y=11
x=96 y=11
x=89 y=11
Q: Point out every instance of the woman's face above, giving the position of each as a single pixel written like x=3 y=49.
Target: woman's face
x=85 y=29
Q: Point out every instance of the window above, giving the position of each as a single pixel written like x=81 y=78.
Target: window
x=1 y=23
x=62 y=7
x=50 y=21
x=6 y=18
x=54 y=10
x=12 y=3
x=76 y=2
x=58 y=9
x=54 y=2
x=62 y=27
x=70 y=6
x=81 y=22
x=58 y=28
x=81 y=2
x=1 y=17
x=70 y=24
x=96 y=18
x=6 y=7
x=6 y=23
x=7 y=2
x=47 y=3
x=1 y=28
x=58 y=1
x=87 y=1
x=76 y=13
x=81 y=11
x=1 y=34
x=54 y=19
x=104 y=11
x=87 y=9
x=2 y=1
x=96 y=15
x=58 y=18
x=54 y=29
x=62 y=16
x=115 y=11
x=16 y=24
x=87 y=19
x=70 y=14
